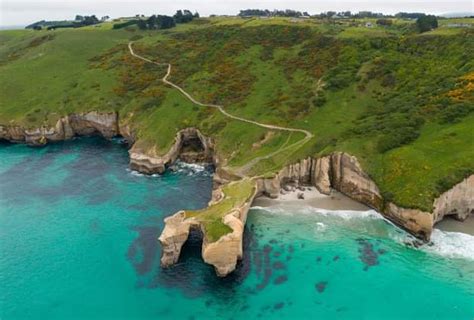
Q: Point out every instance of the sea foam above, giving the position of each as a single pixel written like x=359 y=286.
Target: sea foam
x=451 y=244
x=443 y=243
x=308 y=210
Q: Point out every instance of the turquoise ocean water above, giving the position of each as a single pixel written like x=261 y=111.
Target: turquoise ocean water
x=78 y=239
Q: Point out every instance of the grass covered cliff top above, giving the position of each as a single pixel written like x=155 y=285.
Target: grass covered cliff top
x=400 y=101
x=235 y=195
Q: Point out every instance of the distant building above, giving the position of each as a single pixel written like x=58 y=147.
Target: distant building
x=459 y=25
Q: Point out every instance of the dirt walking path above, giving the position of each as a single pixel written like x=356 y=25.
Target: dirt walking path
x=243 y=170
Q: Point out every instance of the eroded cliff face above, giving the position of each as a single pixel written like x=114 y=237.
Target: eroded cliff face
x=189 y=145
x=223 y=253
x=104 y=124
x=173 y=237
x=457 y=201
x=343 y=172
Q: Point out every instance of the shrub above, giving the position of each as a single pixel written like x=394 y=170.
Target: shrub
x=426 y=23
x=384 y=22
x=125 y=24
x=398 y=138
x=455 y=112
x=319 y=100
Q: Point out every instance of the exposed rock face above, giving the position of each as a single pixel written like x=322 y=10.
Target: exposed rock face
x=105 y=124
x=349 y=178
x=458 y=201
x=344 y=173
x=224 y=253
x=189 y=144
x=174 y=235
x=321 y=177
x=417 y=222
x=298 y=173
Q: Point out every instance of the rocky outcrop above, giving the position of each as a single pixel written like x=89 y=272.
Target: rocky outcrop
x=458 y=201
x=321 y=175
x=189 y=144
x=104 y=124
x=223 y=253
x=173 y=237
x=343 y=172
x=348 y=177
x=417 y=222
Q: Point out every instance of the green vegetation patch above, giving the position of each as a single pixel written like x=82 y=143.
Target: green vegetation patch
x=386 y=93
x=236 y=194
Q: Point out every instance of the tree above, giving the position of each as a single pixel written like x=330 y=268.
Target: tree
x=142 y=24
x=165 y=22
x=79 y=18
x=183 y=16
x=426 y=23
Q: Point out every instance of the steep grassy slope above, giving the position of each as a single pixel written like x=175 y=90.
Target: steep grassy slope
x=400 y=102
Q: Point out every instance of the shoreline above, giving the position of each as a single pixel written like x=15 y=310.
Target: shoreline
x=338 y=201
x=313 y=198
x=452 y=225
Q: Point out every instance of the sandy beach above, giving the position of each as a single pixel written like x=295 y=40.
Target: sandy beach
x=339 y=201
x=313 y=198
x=452 y=225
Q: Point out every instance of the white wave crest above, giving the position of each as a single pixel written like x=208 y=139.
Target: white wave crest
x=308 y=210
x=191 y=168
x=135 y=173
x=451 y=244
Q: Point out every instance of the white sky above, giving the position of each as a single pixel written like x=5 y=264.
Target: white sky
x=23 y=12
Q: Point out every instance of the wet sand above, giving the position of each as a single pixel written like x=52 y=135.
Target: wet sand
x=313 y=198
x=452 y=225
x=338 y=201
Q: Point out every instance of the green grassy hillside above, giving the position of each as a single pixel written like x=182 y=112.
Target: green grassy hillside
x=401 y=102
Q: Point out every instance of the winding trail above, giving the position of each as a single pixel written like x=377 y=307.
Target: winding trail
x=244 y=169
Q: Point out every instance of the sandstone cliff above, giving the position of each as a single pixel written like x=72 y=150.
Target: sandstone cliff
x=457 y=201
x=343 y=172
x=222 y=253
x=189 y=145
x=104 y=124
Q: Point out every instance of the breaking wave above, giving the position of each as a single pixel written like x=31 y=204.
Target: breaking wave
x=443 y=243
x=188 y=169
x=308 y=210
x=451 y=244
x=191 y=168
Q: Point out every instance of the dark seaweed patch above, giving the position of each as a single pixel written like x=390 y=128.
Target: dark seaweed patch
x=142 y=253
x=279 y=305
x=280 y=279
x=321 y=286
x=367 y=254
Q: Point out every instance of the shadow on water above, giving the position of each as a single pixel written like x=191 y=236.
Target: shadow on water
x=191 y=275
